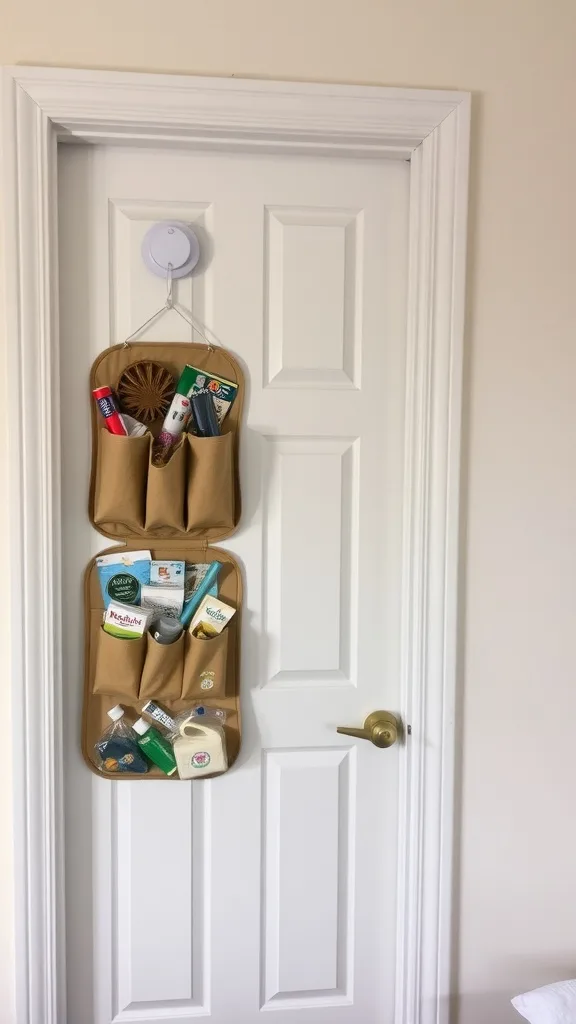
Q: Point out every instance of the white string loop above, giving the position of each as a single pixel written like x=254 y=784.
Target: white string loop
x=168 y=305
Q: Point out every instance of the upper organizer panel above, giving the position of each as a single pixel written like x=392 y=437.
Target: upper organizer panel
x=196 y=494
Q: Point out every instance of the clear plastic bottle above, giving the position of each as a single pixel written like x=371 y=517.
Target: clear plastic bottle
x=117 y=749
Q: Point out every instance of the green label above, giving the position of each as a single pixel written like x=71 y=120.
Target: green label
x=123 y=587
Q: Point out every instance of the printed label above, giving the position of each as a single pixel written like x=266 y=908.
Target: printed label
x=207 y=679
x=200 y=759
x=123 y=587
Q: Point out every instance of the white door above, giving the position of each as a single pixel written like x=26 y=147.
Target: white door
x=273 y=887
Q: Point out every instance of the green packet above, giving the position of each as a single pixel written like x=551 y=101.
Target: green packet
x=223 y=391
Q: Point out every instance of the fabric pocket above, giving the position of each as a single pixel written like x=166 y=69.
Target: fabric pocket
x=210 y=482
x=119 y=666
x=120 y=490
x=205 y=664
x=166 y=491
x=162 y=675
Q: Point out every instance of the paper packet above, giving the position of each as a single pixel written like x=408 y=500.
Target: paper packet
x=122 y=574
x=210 y=618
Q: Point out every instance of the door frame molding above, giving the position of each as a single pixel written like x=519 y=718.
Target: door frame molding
x=41 y=106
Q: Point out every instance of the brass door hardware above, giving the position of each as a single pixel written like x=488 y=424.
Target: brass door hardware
x=382 y=728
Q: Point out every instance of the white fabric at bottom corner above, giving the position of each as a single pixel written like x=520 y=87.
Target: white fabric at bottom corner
x=552 y=1004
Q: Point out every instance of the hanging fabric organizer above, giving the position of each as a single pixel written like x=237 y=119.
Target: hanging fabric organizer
x=176 y=510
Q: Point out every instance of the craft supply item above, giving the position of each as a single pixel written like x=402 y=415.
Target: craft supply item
x=122 y=574
x=197 y=597
x=125 y=621
x=175 y=422
x=155 y=746
x=194 y=574
x=210 y=618
x=200 y=749
x=166 y=572
x=165 y=630
x=108 y=406
x=117 y=749
x=145 y=390
x=154 y=711
x=204 y=413
x=133 y=427
x=223 y=391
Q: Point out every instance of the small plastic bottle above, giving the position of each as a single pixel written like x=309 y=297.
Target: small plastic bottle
x=165 y=630
x=155 y=746
x=117 y=749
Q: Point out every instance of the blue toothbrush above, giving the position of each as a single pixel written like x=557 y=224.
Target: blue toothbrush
x=197 y=598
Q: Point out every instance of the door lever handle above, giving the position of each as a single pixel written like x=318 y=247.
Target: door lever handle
x=381 y=728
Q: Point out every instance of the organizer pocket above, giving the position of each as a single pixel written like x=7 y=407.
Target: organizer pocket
x=166 y=493
x=120 y=490
x=119 y=666
x=205 y=666
x=162 y=675
x=210 y=481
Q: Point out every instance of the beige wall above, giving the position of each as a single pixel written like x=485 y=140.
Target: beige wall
x=518 y=894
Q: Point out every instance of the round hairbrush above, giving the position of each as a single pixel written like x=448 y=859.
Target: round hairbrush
x=145 y=390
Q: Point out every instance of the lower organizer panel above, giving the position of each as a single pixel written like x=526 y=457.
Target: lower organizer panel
x=131 y=672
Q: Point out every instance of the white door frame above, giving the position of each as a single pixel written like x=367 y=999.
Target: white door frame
x=431 y=130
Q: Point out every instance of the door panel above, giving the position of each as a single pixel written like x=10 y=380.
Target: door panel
x=271 y=888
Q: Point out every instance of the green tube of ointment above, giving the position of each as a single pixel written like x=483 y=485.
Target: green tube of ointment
x=156 y=748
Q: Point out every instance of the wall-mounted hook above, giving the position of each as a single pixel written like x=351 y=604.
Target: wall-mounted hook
x=170 y=244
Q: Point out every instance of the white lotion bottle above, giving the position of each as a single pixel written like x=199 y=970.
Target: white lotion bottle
x=200 y=749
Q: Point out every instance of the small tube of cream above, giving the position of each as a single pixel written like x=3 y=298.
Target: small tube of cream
x=154 y=711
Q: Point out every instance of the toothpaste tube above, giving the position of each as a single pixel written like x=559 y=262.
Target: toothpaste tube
x=211 y=618
x=155 y=712
x=179 y=412
x=125 y=621
x=108 y=406
x=176 y=420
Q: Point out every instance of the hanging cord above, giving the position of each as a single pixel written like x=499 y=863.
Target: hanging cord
x=168 y=305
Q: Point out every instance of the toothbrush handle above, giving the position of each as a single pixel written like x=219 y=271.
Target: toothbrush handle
x=197 y=598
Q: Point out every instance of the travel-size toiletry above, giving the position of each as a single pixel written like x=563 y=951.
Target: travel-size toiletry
x=155 y=746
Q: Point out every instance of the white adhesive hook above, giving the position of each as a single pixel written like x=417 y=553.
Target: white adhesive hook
x=170 y=243
x=170 y=249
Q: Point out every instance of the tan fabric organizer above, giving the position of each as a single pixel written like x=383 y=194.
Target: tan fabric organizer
x=197 y=494
x=127 y=494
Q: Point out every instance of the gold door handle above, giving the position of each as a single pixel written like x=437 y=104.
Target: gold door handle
x=381 y=728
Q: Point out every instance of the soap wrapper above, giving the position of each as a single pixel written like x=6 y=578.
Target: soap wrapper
x=211 y=617
x=125 y=621
x=122 y=574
